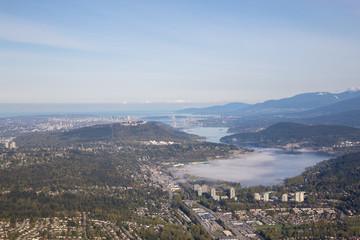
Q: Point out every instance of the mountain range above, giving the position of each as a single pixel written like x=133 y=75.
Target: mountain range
x=307 y=108
x=318 y=102
x=345 y=113
x=216 y=110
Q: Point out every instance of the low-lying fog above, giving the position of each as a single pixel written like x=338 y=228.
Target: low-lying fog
x=264 y=166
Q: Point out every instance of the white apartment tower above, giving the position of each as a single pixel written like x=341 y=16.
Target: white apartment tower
x=302 y=197
x=199 y=190
x=257 y=196
x=232 y=193
x=266 y=197
x=12 y=145
x=196 y=187
x=299 y=196
x=284 y=197
x=213 y=192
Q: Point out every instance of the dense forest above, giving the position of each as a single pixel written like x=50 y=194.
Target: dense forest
x=76 y=168
x=66 y=178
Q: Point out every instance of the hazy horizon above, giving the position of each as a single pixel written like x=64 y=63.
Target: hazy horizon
x=90 y=108
x=18 y=109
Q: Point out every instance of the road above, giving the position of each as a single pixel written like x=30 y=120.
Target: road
x=227 y=223
x=84 y=224
x=202 y=223
x=21 y=226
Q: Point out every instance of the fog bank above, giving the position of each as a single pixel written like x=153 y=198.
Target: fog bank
x=267 y=167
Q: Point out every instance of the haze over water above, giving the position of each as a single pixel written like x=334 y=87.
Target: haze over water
x=262 y=167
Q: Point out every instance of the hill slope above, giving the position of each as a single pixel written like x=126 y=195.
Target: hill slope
x=348 y=118
x=334 y=175
x=337 y=178
x=251 y=123
x=284 y=133
x=107 y=132
x=347 y=105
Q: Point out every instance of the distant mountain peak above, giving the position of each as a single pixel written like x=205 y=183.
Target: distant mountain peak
x=354 y=89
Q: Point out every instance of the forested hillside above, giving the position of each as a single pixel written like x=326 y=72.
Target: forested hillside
x=337 y=178
x=284 y=133
x=106 y=132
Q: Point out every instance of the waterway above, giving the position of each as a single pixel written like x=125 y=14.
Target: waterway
x=212 y=134
x=265 y=166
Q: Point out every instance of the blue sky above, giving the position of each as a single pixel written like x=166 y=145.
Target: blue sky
x=176 y=51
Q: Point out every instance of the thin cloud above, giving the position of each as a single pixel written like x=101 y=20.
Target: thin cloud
x=19 y=30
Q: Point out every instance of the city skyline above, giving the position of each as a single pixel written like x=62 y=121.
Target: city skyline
x=176 y=52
